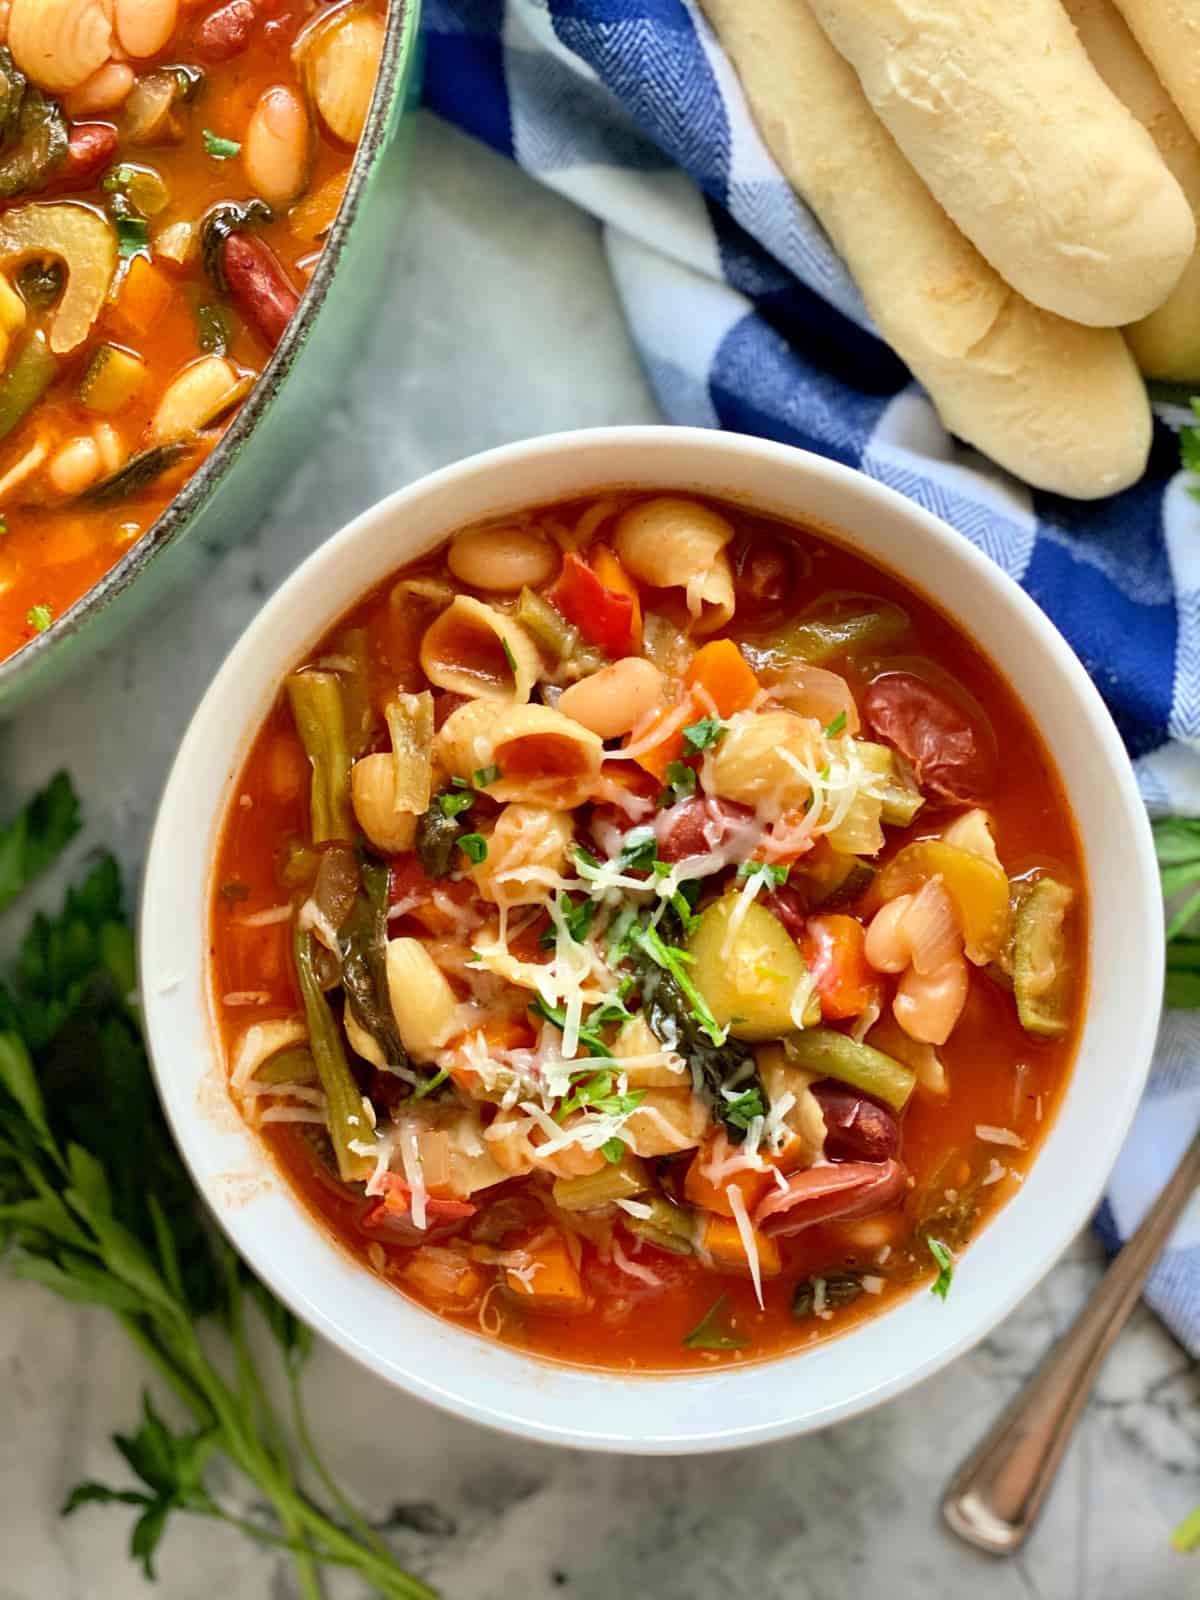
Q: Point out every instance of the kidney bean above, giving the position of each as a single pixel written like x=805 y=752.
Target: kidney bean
x=789 y=906
x=952 y=753
x=258 y=285
x=694 y=827
x=766 y=575
x=833 y=1193
x=90 y=148
x=856 y=1129
x=225 y=32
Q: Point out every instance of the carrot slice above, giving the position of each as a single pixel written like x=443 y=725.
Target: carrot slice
x=724 y=1244
x=701 y=1191
x=548 y=1277
x=723 y=672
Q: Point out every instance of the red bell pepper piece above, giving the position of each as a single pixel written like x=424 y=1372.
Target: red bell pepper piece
x=604 y=617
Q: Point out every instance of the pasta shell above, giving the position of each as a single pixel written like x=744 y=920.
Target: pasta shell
x=762 y=762
x=475 y=650
x=423 y=1003
x=542 y=755
x=673 y=543
x=527 y=846
x=60 y=43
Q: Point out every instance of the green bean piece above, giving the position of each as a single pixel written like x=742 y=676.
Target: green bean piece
x=836 y=1055
x=557 y=637
x=25 y=382
x=668 y=1226
x=1041 y=974
x=319 y=712
x=360 y=715
x=363 y=941
x=899 y=793
x=294 y=1064
x=602 y=1188
x=344 y=1114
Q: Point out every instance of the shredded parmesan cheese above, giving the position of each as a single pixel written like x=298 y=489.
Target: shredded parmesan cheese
x=745 y=1228
x=991 y=1135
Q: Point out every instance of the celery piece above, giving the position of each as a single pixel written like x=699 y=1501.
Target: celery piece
x=319 y=713
x=669 y=1227
x=836 y=1055
x=820 y=639
x=899 y=793
x=602 y=1188
x=557 y=637
x=354 y=680
x=344 y=1113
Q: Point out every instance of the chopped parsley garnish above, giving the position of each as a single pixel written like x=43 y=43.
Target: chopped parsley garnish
x=577 y=918
x=838 y=725
x=39 y=618
x=430 y=1084
x=482 y=777
x=945 y=1260
x=639 y=855
x=598 y=1092
x=742 y=1111
x=509 y=657
x=613 y=1151
x=474 y=847
x=674 y=960
x=700 y=735
x=765 y=870
x=459 y=783
x=588 y=1037
x=452 y=804
x=620 y=935
x=220 y=149
x=133 y=236
x=681 y=782
x=1189 y=448
x=714 y=1331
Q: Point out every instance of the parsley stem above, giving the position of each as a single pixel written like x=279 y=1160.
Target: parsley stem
x=312 y=1455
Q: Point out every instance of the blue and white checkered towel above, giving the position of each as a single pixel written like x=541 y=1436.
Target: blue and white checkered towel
x=746 y=319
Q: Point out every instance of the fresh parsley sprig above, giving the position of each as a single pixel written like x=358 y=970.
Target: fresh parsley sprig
x=96 y=1205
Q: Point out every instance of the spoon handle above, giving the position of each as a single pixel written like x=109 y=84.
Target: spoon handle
x=993 y=1500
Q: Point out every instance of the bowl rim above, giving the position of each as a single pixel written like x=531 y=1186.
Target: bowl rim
x=504 y=1388
x=174 y=520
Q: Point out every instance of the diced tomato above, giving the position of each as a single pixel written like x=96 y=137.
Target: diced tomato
x=604 y=617
x=834 y=950
x=394 y=1206
x=409 y=882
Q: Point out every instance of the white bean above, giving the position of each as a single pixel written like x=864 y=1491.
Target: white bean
x=144 y=26
x=927 y=1007
x=886 y=948
x=76 y=466
x=103 y=91
x=502 y=560
x=615 y=699
x=275 y=148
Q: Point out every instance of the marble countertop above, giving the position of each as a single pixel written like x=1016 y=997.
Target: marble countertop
x=502 y=322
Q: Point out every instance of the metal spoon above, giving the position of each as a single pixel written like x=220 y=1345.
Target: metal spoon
x=994 y=1499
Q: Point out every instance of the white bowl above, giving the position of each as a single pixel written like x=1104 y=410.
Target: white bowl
x=488 y=1382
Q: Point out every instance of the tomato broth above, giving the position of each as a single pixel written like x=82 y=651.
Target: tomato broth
x=762 y=1123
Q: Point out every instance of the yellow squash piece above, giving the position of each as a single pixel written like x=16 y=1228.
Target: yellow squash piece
x=978 y=891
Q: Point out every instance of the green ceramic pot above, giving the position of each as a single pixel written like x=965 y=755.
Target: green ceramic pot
x=267 y=438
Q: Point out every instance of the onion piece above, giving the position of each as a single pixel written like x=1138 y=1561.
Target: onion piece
x=930 y=928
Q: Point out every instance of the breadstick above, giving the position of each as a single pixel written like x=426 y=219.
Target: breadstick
x=1037 y=161
x=1169 y=32
x=1060 y=405
x=1166 y=344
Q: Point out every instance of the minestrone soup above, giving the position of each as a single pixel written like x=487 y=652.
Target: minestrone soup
x=168 y=171
x=649 y=934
